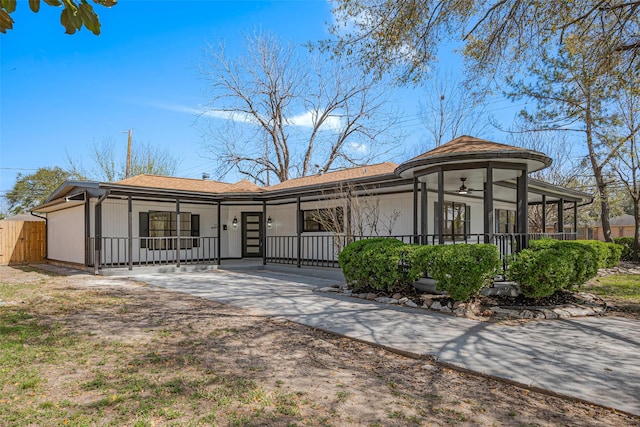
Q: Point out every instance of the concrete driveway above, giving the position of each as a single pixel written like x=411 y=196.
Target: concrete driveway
x=596 y=359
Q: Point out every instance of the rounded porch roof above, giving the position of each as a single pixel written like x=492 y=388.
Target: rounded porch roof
x=471 y=150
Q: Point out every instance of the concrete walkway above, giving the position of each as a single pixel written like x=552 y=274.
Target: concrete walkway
x=596 y=359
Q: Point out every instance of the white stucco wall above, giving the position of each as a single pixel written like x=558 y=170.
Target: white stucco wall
x=65 y=235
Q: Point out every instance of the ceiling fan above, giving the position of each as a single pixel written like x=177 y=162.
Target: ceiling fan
x=464 y=190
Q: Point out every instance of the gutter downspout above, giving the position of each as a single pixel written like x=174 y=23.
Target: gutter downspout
x=98 y=232
x=46 y=233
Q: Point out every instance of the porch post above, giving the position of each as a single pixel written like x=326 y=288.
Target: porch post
x=544 y=214
x=298 y=231
x=98 y=233
x=423 y=213
x=561 y=215
x=98 y=238
x=218 y=243
x=488 y=206
x=522 y=196
x=87 y=230
x=440 y=212
x=415 y=211
x=263 y=238
x=130 y=231
x=348 y=230
x=178 y=233
x=575 y=219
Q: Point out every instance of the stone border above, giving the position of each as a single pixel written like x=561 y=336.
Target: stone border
x=592 y=306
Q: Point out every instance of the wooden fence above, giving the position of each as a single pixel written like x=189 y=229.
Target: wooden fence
x=22 y=242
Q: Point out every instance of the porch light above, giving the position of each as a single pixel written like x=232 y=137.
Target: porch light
x=463 y=189
x=269 y=222
x=234 y=223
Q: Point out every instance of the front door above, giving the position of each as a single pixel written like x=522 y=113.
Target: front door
x=251 y=234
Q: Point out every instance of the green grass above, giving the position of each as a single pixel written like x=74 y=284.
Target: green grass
x=621 y=290
x=624 y=287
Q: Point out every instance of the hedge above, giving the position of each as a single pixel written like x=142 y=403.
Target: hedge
x=627 y=247
x=389 y=265
x=607 y=254
x=378 y=263
x=463 y=269
x=541 y=271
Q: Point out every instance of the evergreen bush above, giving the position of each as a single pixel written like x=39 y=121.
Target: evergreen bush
x=463 y=269
x=542 y=271
x=377 y=263
x=627 y=247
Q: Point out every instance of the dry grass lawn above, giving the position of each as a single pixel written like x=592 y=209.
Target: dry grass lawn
x=83 y=350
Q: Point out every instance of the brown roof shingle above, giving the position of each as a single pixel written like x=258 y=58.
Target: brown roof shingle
x=341 y=175
x=468 y=144
x=189 y=184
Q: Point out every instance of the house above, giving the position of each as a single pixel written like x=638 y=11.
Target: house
x=621 y=226
x=467 y=190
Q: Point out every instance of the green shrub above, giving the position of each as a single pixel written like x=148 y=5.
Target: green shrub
x=462 y=270
x=378 y=263
x=583 y=257
x=615 y=252
x=603 y=252
x=422 y=259
x=627 y=247
x=542 y=271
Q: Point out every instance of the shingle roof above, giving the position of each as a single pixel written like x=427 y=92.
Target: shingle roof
x=189 y=184
x=468 y=144
x=341 y=175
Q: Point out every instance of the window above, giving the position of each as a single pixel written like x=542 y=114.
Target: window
x=505 y=221
x=159 y=224
x=326 y=219
x=456 y=220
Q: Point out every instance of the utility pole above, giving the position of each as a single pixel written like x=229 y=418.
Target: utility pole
x=128 y=167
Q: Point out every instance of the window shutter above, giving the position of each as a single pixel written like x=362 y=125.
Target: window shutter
x=467 y=219
x=195 y=229
x=143 y=227
x=195 y=225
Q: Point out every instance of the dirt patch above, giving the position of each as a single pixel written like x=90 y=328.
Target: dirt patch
x=146 y=356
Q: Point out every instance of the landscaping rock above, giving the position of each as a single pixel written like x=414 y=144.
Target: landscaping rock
x=436 y=305
x=548 y=314
x=445 y=309
x=460 y=312
x=397 y=295
x=401 y=300
x=371 y=296
x=347 y=292
x=411 y=304
x=329 y=289
x=386 y=300
x=426 y=303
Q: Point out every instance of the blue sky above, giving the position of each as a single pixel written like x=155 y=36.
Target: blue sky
x=60 y=94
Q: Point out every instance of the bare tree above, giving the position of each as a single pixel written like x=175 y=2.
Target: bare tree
x=450 y=110
x=565 y=170
x=110 y=161
x=355 y=214
x=627 y=164
x=290 y=115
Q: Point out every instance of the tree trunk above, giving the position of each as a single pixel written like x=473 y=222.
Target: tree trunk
x=635 y=252
x=597 y=174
